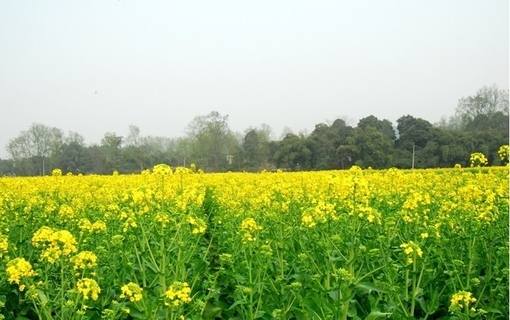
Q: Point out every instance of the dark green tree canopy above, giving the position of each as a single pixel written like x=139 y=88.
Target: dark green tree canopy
x=413 y=131
x=383 y=126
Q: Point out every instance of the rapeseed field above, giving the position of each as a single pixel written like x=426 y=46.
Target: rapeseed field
x=180 y=244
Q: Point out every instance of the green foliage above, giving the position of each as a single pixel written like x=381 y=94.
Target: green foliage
x=211 y=141
x=211 y=144
x=370 y=147
x=479 y=111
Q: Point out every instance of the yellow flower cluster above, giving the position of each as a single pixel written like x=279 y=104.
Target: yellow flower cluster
x=248 y=227
x=130 y=220
x=4 y=244
x=411 y=248
x=199 y=225
x=183 y=170
x=88 y=288
x=66 y=211
x=56 y=172
x=162 y=169
x=178 y=294
x=162 y=217
x=132 y=291
x=319 y=214
x=478 y=159
x=504 y=152
x=84 y=260
x=462 y=299
x=95 y=227
x=416 y=206
x=17 y=269
x=56 y=243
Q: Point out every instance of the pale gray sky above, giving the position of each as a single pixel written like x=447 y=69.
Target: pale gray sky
x=98 y=66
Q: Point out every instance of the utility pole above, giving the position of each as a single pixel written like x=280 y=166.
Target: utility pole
x=412 y=165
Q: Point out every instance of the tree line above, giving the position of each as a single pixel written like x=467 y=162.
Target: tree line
x=480 y=124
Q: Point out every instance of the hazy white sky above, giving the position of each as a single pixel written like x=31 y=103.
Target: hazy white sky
x=98 y=66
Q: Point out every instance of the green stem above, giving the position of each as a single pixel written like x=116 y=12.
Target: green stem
x=153 y=260
x=407 y=287
x=61 y=285
x=348 y=292
x=470 y=265
x=413 y=295
x=163 y=262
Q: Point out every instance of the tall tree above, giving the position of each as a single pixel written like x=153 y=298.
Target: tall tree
x=212 y=141
x=111 y=147
x=133 y=150
x=255 y=148
x=74 y=137
x=293 y=153
x=487 y=101
x=74 y=157
x=251 y=150
x=413 y=131
x=39 y=143
x=384 y=126
x=368 y=147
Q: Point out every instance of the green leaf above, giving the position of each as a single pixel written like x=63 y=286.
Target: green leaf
x=333 y=295
x=235 y=304
x=375 y=315
x=423 y=304
x=42 y=297
x=211 y=311
x=492 y=310
x=367 y=287
x=136 y=314
x=151 y=266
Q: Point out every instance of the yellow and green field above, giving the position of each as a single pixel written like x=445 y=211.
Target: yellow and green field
x=304 y=245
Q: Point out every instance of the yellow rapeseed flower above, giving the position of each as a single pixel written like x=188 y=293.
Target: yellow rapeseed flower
x=478 y=159
x=85 y=260
x=162 y=169
x=199 y=225
x=4 y=244
x=307 y=220
x=66 y=211
x=132 y=291
x=178 y=294
x=57 y=243
x=460 y=300
x=88 y=288
x=41 y=236
x=248 y=226
x=98 y=226
x=504 y=152
x=411 y=248
x=17 y=269
x=162 y=218
x=85 y=224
